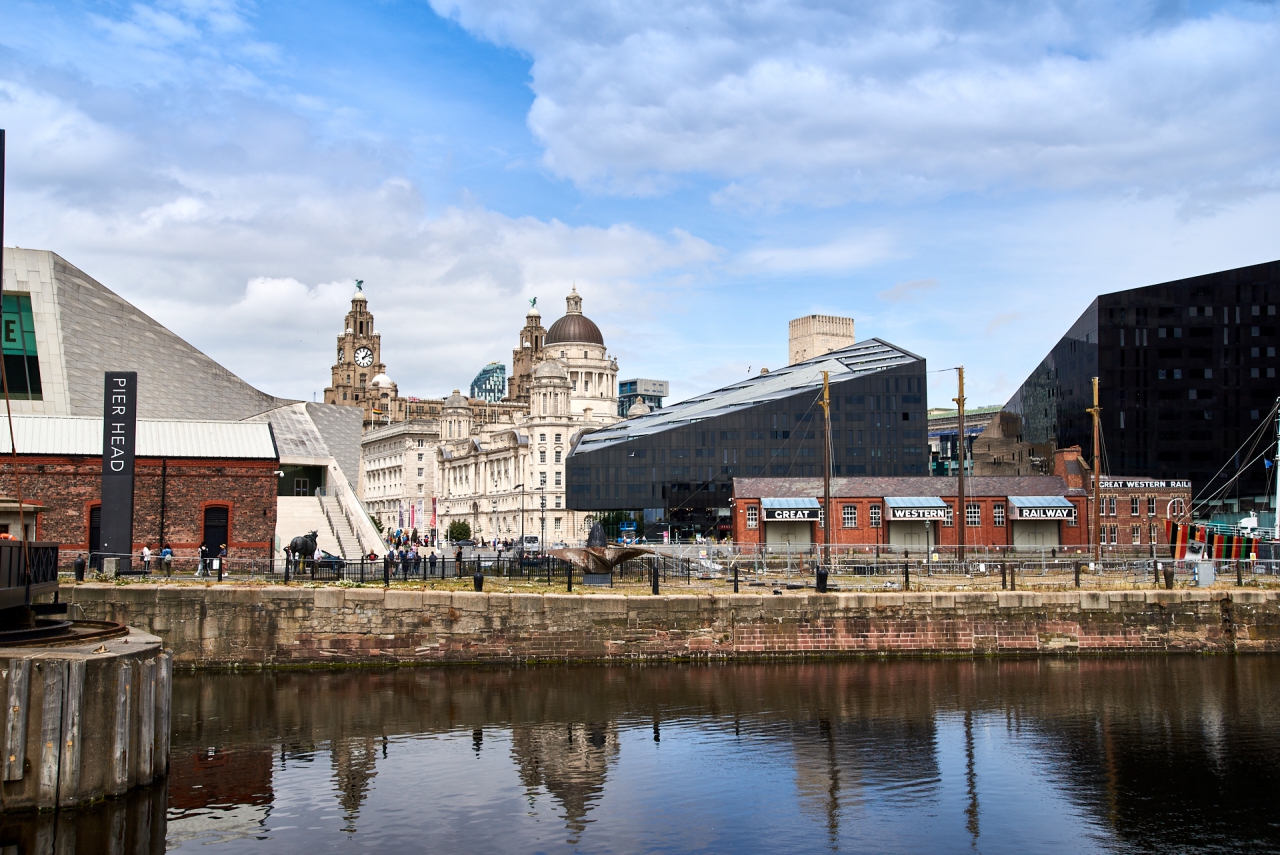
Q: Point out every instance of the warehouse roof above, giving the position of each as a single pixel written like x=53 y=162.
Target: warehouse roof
x=878 y=488
x=82 y=436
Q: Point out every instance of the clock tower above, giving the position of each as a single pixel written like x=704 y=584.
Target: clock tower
x=359 y=377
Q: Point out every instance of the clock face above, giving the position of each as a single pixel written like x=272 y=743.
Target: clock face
x=342 y=356
x=364 y=357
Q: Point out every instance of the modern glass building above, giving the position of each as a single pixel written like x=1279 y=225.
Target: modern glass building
x=650 y=391
x=1187 y=376
x=676 y=465
x=491 y=383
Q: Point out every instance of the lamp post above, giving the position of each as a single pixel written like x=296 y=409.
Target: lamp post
x=495 y=523
x=520 y=487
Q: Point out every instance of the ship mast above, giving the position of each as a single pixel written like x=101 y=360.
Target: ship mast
x=1277 y=468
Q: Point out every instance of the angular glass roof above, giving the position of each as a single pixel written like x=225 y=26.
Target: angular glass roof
x=857 y=360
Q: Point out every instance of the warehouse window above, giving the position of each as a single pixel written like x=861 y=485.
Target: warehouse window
x=1151 y=506
x=1137 y=534
x=753 y=516
x=1134 y=507
x=850 y=516
x=997 y=514
x=875 y=516
x=972 y=515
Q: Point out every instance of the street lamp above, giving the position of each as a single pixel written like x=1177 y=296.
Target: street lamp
x=520 y=487
x=495 y=522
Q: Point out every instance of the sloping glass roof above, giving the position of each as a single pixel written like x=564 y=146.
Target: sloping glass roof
x=857 y=360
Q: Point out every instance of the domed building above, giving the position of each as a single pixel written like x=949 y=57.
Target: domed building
x=575 y=341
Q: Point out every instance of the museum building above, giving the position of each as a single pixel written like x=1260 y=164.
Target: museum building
x=675 y=466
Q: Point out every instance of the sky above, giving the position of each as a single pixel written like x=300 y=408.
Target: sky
x=960 y=178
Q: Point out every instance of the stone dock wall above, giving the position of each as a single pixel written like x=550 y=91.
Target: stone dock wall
x=228 y=625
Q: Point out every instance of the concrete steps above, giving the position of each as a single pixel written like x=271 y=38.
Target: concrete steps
x=338 y=524
x=298 y=515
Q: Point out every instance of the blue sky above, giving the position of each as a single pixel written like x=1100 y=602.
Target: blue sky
x=960 y=178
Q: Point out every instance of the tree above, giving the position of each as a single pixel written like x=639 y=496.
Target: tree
x=377 y=523
x=459 y=530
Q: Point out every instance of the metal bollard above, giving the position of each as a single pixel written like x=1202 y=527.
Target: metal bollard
x=654 y=578
x=79 y=568
x=906 y=576
x=822 y=576
x=735 y=578
x=1168 y=578
x=1077 y=574
x=568 y=575
x=478 y=581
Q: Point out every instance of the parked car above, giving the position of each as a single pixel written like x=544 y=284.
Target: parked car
x=329 y=561
x=466 y=544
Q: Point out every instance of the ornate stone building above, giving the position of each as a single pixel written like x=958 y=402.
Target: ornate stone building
x=509 y=479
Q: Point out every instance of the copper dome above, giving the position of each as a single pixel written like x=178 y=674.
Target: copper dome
x=574 y=327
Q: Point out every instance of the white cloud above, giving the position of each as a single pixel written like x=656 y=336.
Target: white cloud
x=845 y=253
x=222 y=235
x=822 y=102
x=906 y=292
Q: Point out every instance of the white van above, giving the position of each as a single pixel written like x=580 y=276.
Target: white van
x=532 y=543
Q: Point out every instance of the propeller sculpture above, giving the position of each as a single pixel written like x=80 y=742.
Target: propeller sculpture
x=598 y=556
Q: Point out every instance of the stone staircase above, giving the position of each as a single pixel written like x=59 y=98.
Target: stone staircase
x=298 y=515
x=340 y=527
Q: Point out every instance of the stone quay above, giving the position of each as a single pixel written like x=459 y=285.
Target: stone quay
x=257 y=626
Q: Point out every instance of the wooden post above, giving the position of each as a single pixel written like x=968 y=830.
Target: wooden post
x=1096 y=412
x=826 y=470
x=961 y=517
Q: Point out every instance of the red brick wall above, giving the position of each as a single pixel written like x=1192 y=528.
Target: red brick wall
x=69 y=487
x=987 y=534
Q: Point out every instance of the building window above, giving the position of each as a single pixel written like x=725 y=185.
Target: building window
x=419 y=471
x=1153 y=534
x=1151 y=506
x=558 y=479
x=850 y=514
x=542 y=437
x=753 y=516
x=420 y=442
x=1111 y=507
x=1114 y=531
x=949 y=519
x=972 y=515
x=542 y=456
x=557 y=437
x=875 y=516
x=1134 y=507
x=997 y=514
x=558 y=453
x=557 y=501
x=542 y=479
x=1137 y=534
x=556 y=524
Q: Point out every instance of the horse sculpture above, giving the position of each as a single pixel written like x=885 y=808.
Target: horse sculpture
x=302 y=547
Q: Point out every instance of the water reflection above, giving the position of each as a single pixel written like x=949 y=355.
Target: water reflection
x=1152 y=755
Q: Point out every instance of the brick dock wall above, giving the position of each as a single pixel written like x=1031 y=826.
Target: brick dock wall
x=228 y=625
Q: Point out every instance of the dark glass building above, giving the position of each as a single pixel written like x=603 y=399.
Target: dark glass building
x=676 y=465
x=1187 y=376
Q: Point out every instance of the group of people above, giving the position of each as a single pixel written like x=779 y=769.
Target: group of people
x=205 y=554
x=408 y=560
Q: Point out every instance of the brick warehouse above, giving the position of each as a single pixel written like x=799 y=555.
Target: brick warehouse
x=203 y=482
x=1039 y=511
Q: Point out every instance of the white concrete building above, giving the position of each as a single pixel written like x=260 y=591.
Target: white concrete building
x=398 y=474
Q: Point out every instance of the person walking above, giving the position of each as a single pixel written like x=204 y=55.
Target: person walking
x=222 y=561
x=457 y=562
x=166 y=558
x=431 y=562
x=146 y=558
x=202 y=566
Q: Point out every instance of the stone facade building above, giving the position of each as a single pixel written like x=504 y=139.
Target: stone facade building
x=398 y=473
x=508 y=479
